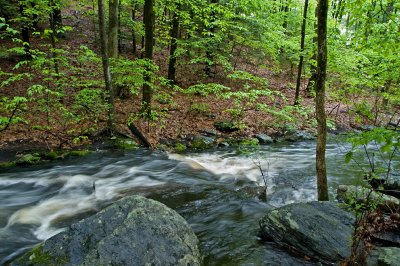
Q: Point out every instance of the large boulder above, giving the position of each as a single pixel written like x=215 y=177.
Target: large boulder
x=133 y=231
x=319 y=230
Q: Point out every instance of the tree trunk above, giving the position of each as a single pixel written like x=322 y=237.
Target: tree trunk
x=313 y=67
x=53 y=33
x=133 y=16
x=211 y=29
x=303 y=35
x=322 y=182
x=119 y=29
x=25 y=32
x=148 y=54
x=106 y=66
x=174 y=45
x=56 y=18
x=286 y=11
x=113 y=28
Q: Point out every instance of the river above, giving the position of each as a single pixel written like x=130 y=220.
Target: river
x=205 y=188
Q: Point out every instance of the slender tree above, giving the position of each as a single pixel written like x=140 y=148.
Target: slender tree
x=174 y=45
x=148 y=53
x=133 y=17
x=313 y=67
x=303 y=35
x=106 y=65
x=322 y=182
x=113 y=6
x=55 y=25
x=211 y=32
x=56 y=18
x=25 y=30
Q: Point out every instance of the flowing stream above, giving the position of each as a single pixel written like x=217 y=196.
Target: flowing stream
x=210 y=190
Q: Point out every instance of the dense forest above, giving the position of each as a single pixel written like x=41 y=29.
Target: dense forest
x=163 y=72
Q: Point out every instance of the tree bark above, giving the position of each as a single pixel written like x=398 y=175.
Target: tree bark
x=174 y=45
x=211 y=29
x=56 y=18
x=25 y=32
x=322 y=183
x=53 y=33
x=286 y=11
x=113 y=28
x=300 y=68
x=313 y=67
x=106 y=66
x=133 y=16
x=148 y=54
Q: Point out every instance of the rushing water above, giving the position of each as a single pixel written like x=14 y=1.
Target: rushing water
x=205 y=188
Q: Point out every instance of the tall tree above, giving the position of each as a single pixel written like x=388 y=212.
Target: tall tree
x=313 y=67
x=174 y=44
x=25 y=30
x=133 y=17
x=303 y=35
x=211 y=33
x=148 y=14
x=113 y=6
x=106 y=65
x=322 y=182
x=55 y=17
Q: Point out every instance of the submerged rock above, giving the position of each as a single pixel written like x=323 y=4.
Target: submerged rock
x=133 y=231
x=319 y=230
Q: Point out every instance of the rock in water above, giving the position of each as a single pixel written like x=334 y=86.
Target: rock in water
x=319 y=230
x=133 y=231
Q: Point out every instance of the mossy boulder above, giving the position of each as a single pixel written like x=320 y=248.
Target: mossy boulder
x=29 y=159
x=226 y=126
x=384 y=256
x=249 y=142
x=132 y=231
x=124 y=143
x=349 y=194
x=319 y=230
x=202 y=142
x=180 y=147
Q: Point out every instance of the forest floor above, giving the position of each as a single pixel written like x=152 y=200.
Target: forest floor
x=179 y=118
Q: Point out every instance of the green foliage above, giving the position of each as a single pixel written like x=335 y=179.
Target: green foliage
x=11 y=111
x=200 y=107
x=207 y=89
x=386 y=141
x=130 y=74
x=179 y=147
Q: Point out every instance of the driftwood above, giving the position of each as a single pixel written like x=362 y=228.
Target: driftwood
x=135 y=131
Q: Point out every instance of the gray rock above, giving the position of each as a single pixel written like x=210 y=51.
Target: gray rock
x=264 y=139
x=319 y=230
x=298 y=135
x=209 y=132
x=200 y=142
x=384 y=256
x=133 y=231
